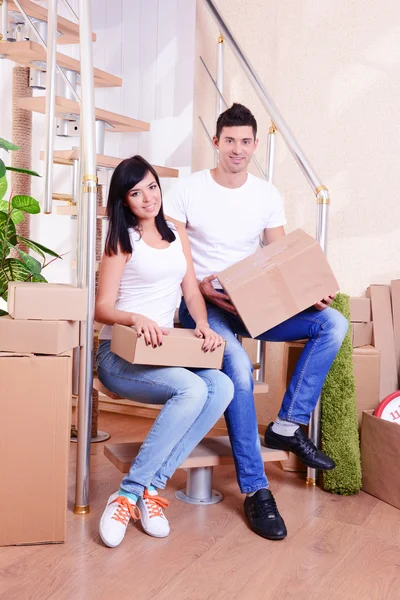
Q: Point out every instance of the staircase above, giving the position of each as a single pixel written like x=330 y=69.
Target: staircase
x=17 y=46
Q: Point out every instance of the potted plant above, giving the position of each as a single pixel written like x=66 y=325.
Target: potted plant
x=15 y=263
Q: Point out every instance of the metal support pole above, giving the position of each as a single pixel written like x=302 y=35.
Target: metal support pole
x=220 y=73
x=4 y=20
x=87 y=207
x=271 y=138
x=260 y=360
x=199 y=487
x=50 y=126
x=100 y=136
x=321 y=235
x=75 y=195
x=64 y=89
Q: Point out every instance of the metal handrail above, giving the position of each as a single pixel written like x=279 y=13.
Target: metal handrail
x=321 y=192
x=71 y=10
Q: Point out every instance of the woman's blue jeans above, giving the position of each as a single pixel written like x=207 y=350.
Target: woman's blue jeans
x=194 y=400
x=325 y=331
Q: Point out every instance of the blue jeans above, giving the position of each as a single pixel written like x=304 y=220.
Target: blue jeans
x=194 y=400
x=325 y=331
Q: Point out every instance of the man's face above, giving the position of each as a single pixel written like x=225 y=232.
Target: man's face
x=236 y=146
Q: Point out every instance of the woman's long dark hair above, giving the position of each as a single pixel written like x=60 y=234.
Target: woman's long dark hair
x=120 y=217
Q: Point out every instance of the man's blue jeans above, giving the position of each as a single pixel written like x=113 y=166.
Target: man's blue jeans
x=325 y=331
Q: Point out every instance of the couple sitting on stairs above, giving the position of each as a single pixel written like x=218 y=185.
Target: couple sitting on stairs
x=214 y=218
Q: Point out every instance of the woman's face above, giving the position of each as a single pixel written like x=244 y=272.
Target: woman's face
x=144 y=199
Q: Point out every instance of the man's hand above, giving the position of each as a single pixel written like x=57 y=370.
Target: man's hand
x=325 y=302
x=218 y=298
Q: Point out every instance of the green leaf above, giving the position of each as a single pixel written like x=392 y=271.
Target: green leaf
x=33 y=265
x=7 y=145
x=16 y=270
x=16 y=215
x=2 y=168
x=38 y=247
x=7 y=230
x=26 y=171
x=26 y=204
x=3 y=186
x=3 y=313
x=39 y=279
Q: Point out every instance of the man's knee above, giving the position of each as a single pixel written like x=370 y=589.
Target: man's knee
x=336 y=325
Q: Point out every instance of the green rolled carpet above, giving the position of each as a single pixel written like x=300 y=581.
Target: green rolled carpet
x=339 y=424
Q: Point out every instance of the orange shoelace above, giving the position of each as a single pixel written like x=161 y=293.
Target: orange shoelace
x=155 y=504
x=125 y=510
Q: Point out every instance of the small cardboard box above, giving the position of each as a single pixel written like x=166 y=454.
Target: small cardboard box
x=360 y=310
x=367 y=368
x=35 y=415
x=383 y=337
x=180 y=348
x=278 y=281
x=380 y=458
x=361 y=334
x=38 y=337
x=46 y=301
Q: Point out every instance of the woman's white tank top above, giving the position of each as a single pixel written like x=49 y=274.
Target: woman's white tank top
x=150 y=283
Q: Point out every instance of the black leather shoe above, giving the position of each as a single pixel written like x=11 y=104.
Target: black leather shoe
x=301 y=445
x=263 y=515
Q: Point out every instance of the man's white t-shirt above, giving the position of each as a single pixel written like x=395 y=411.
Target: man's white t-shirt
x=223 y=224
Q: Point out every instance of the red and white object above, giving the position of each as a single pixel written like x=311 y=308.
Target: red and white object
x=389 y=408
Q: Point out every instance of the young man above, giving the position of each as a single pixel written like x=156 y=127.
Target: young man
x=225 y=210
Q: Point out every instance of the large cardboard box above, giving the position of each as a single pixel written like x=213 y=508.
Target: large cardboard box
x=360 y=310
x=361 y=334
x=46 y=301
x=180 y=348
x=380 y=458
x=383 y=337
x=38 y=337
x=35 y=411
x=279 y=281
x=395 y=288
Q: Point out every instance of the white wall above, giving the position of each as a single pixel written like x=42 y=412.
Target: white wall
x=150 y=44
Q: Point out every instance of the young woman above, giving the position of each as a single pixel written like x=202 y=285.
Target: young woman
x=144 y=267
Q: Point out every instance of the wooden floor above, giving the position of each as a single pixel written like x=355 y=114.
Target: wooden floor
x=337 y=548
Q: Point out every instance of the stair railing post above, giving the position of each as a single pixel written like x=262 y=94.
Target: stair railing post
x=87 y=206
x=50 y=124
x=4 y=20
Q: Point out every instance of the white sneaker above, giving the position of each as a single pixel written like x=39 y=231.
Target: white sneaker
x=154 y=522
x=115 y=519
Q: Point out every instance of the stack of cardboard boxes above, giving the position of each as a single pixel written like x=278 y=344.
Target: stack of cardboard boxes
x=36 y=342
x=380 y=439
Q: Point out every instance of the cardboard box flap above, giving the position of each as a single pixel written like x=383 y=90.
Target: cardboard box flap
x=264 y=259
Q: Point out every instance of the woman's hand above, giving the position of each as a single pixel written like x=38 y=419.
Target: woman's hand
x=212 y=340
x=151 y=332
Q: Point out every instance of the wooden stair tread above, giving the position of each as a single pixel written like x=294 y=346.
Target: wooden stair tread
x=211 y=452
x=66 y=157
x=68 y=29
x=25 y=53
x=62 y=197
x=72 y=210
x=63 y=106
